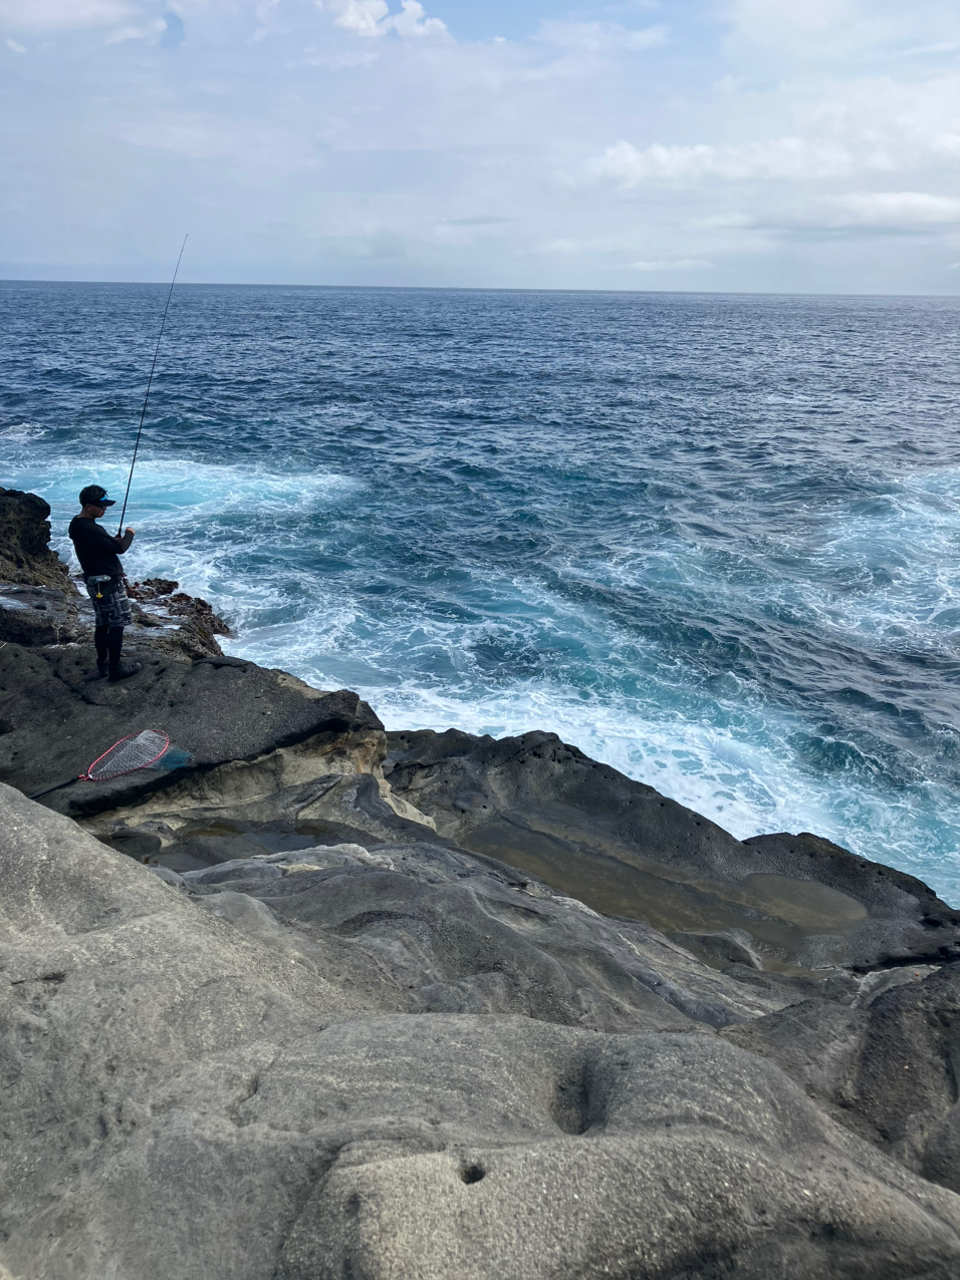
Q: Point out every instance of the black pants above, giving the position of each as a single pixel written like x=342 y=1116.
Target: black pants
x=109 y=643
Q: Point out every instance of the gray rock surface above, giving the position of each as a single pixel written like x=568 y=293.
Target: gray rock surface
x=620 y=846
x=38 y=615
x=887 y=1067
x=446 y=932
x=220 y=710
x=239 y=1081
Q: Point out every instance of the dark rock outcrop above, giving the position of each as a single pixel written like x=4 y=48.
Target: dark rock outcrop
x=223 y=711
x=196 y=625
x=626 y=850
x=39 y=615
x=25 y=555
x=223 y=1086
x=41 y=605
x=164 y=593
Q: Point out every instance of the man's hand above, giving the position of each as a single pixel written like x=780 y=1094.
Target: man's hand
x=130 y=529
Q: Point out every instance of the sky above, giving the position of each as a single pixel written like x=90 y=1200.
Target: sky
x=807 y=146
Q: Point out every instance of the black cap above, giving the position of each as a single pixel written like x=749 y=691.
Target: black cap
x=96 y=496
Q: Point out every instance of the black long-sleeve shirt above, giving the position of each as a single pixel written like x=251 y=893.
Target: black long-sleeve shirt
x=97 y=550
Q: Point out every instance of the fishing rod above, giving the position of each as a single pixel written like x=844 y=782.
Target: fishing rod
x=143 y=411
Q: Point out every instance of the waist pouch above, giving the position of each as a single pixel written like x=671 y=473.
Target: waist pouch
x=105 y=583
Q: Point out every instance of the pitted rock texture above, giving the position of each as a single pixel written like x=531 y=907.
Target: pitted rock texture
x=38 y=615
x=778 y=900
x=186 y=1096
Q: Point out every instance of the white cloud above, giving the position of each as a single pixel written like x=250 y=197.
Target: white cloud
x=850 y=211
x=949 y=46
x=600 y=37
x=671 y=264
x=590 y=244
x=795 y=158
x=258 y=151
x=412 y=21
x=363 y=140
x=782 y=21
x=373 y=18
x=338 y=60
x=265 y=15
x=147 y=31
x=898 y=208
x=820 y=31
x=17 y=48
x=478 y=220
x=723 y=221
x=824 y=131
x=58 y=15
x=363 y=17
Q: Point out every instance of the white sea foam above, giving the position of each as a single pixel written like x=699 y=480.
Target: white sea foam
x=167 y=492
x=896 y=563
x=23 y=433
x=742 y=776
x=179 y=501
x=730 y=758
x=174 y=490
x=726 y=752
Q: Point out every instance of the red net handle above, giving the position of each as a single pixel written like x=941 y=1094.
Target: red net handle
x=145 y=764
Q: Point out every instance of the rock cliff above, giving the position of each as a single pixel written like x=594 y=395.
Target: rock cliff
x=324 y=1002
x=25 y=555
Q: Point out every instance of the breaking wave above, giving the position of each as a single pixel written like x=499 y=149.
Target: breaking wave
x=680 y=532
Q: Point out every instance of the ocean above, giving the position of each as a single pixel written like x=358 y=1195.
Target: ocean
x=711 y=540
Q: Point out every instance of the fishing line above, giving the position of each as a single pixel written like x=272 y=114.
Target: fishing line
x=143 y=411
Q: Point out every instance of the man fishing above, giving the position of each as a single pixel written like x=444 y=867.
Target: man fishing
x=99 y=555
x=99 y=552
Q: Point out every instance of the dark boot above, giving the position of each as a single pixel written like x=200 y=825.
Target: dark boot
x=117 y=669
x=123 y=670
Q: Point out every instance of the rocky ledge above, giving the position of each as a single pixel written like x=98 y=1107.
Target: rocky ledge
x=40 y=603
x=326 y=1002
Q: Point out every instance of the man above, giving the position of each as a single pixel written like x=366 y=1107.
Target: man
x=99 y=555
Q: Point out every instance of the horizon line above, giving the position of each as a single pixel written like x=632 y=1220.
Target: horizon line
x=442 y=288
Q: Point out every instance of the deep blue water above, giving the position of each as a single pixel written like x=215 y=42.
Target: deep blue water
x=712 y=540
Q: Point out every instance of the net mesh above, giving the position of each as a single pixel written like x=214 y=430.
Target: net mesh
x=137 y=751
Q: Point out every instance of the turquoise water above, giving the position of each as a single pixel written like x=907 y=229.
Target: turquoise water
x=711 y=540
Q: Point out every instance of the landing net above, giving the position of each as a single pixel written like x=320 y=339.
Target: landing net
x=136 y=751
